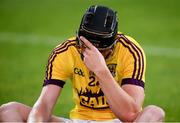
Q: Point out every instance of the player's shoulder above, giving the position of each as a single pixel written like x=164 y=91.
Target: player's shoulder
x=125 y=37
x=127 y=40
x=69 y=41
x=65 y=45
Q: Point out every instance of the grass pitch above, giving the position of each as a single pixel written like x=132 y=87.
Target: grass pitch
x=29 y=30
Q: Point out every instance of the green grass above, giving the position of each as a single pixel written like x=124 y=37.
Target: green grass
x=30 y=29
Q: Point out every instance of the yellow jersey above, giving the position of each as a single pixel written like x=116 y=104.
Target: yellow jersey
x=127 y=65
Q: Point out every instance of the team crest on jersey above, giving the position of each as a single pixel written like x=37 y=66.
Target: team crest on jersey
x=112 y=69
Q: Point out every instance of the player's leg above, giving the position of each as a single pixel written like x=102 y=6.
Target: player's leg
x=18 y=112
x=151 y=114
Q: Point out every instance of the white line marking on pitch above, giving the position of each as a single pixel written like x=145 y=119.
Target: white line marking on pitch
x=162 y=51
x=50 y=40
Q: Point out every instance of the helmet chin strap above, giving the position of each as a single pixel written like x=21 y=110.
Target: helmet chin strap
x=107 y=53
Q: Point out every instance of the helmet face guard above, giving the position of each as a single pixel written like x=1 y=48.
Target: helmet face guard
x=99 y=26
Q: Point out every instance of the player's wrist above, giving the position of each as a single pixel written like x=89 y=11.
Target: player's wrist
x=102 y=72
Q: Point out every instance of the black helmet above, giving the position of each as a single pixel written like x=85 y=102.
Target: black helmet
x=99 y=25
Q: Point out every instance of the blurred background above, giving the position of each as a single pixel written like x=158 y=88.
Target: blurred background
x=30 y=29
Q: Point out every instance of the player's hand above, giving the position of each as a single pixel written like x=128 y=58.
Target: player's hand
x=93 y=59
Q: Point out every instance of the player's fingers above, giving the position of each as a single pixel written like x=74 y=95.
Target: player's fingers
x=86 y=51
x=86 y=42
x=85 y=54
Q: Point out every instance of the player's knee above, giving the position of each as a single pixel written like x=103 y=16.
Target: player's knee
x=156 y=111
x=5 y=109
x=9 y=106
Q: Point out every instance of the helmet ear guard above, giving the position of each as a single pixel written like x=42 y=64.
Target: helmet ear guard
x=99 y=25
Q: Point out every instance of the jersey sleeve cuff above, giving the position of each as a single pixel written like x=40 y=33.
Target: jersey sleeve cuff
x=133 y=82
x=59 y=83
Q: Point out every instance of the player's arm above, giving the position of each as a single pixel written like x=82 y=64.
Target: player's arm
x=56 y=74
x=124 y=101
x=42 y=109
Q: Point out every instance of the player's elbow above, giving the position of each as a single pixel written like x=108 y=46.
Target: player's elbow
x=129 y=115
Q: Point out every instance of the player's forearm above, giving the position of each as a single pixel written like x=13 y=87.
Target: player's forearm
x=35 y=116
x=123 y=105
x=39 y=113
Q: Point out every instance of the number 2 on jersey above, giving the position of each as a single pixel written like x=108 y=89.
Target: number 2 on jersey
x=93 y=81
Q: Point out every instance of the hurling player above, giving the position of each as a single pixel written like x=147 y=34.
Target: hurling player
x=107 y=71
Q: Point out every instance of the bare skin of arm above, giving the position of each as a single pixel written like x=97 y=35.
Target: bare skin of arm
x=125 y=101
x=42 y=109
